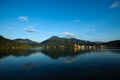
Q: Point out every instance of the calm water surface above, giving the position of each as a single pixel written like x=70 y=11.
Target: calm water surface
x=60 y=64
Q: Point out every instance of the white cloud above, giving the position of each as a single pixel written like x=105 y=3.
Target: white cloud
x=76 y=21
x=115 y=4
x=23 y=18
x=30 y=29
x=69 y=35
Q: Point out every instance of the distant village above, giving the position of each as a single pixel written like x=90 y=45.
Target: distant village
x=82 y=46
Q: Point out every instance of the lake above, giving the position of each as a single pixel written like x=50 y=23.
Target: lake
x=60 y=64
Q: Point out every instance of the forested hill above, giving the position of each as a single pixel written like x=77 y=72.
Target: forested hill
x=113 y=44
x=58 y=41
x=27 y=42
x=53 y=41
x=11 y=44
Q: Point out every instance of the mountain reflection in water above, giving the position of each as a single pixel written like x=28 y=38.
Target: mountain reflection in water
x=57 y=53
x=59 y=64
x=52 y=52
x=17 y=52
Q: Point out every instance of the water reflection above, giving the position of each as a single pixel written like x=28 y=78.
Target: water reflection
x=115 y=50
x=53 y=53
x=17 y=52
x=57 y=53
x=60 y=64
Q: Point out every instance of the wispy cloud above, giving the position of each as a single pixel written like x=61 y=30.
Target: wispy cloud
x=23 y=18
x=69 y=35
x=10 y=28
x=115 y=4
x=93 y=30
x=30 y=29
x=81 y=35
x=77 y=21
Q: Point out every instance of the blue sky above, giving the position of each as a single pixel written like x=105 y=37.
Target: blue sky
x=94 y=20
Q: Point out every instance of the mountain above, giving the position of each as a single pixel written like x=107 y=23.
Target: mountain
x=58 y=41
x=113 y=44
x=53 y=41
x=27 y=41
x=1 y=37
x=10 y=44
